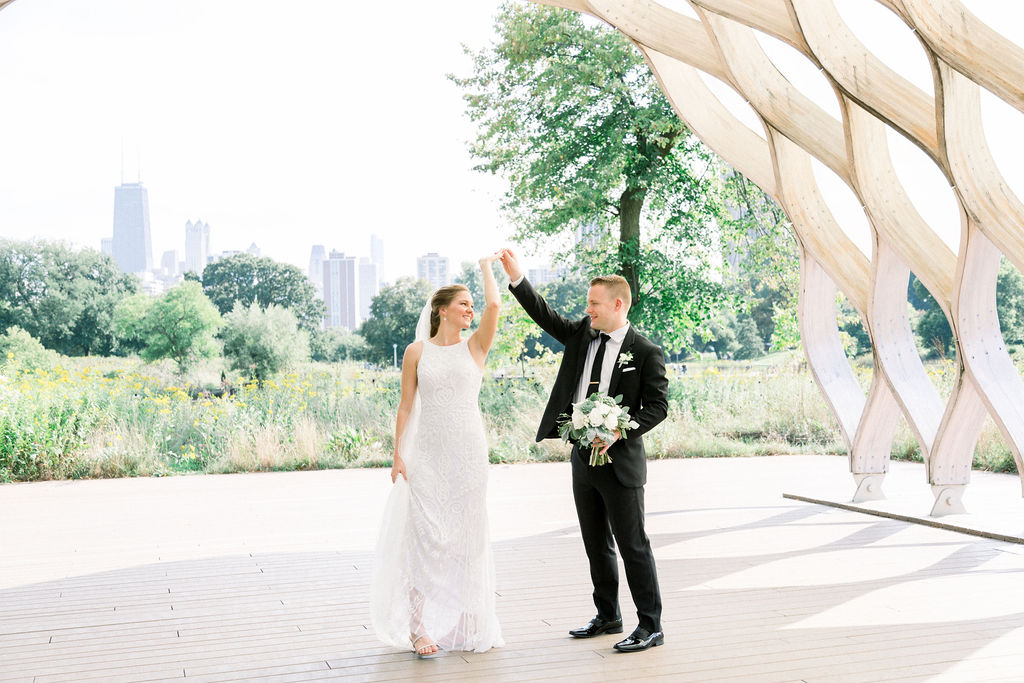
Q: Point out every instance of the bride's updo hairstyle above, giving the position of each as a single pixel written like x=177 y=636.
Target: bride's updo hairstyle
x=441 y=298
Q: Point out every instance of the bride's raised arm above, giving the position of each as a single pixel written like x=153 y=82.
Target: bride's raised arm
x=480 y=342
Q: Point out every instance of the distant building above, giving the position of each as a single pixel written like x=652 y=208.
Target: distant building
x=132 y=247
x=150 y=284
x=589 y=235
x=542 y=276
x=107 y=246
x=341 y=291
x=377 y=254
x=433 y=269
x=317 y=257
x=369 y=286
x=220 y=255
x=253 y=250
x=169 y=263
x=197 y=246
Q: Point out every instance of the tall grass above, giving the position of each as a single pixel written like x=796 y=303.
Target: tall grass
x=107 y=417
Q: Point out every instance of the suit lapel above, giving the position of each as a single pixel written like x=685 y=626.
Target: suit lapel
x=627 y=343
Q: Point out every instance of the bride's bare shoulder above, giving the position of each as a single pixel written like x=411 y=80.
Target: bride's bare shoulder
x=414 y=351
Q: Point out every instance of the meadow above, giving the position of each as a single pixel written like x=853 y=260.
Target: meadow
x=116 y=417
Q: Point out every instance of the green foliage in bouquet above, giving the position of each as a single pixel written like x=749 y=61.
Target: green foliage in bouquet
x=596 y=417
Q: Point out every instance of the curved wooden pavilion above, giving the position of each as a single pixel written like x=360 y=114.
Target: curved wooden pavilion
x=965 y=55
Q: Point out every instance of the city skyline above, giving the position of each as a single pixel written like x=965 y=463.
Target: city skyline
x=288 y=147
x=284 y=147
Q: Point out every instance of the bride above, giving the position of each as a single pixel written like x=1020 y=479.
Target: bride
x=433 y=583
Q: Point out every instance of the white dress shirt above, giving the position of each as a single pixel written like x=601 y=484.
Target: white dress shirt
x=611 y=354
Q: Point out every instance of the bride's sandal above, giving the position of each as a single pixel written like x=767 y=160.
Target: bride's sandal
x=427 y=650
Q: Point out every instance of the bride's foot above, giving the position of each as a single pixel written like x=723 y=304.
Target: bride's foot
x=424 y=646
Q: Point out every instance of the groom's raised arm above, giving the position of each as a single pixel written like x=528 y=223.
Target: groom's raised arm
x=552 y=322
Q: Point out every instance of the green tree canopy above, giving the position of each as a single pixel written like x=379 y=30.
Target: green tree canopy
x=394 y=313
x=764 y=262
x=471 y=276
x=719 y=335
x=180 y=325
x=20 y=350
x=335 y=345
x=570 y=113
x=247 y=279
x=63 y=297
x=262 y=342
x=748 y=340
x=1010 y=302
x=568 y=296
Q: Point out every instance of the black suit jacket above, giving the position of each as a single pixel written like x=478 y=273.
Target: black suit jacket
x=641 y=381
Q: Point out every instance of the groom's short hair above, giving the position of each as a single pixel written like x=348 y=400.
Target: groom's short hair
x=616 y=285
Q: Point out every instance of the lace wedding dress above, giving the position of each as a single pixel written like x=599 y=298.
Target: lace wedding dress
x=433 y=570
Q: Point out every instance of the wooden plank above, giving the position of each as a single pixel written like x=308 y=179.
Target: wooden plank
x=228 y=623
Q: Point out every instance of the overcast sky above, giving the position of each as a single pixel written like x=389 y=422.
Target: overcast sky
x=319 y=124
x=314 y=122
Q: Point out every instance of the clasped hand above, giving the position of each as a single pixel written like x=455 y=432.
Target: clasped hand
x=599 y=442
x=490 y=258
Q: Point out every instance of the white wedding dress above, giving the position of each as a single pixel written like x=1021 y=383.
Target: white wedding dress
x=433 y=570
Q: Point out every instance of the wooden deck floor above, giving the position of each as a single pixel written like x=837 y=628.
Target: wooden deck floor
x=247 y=577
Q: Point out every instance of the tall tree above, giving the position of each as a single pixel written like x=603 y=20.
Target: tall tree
x=262 y=342
x=394 y=313
x=764 y=264
x=63 y=297
x=247 y=279
x=180 y=325
x=570 y=113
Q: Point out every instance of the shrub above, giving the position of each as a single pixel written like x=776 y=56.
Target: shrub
x=262 y=343
x=21 y=350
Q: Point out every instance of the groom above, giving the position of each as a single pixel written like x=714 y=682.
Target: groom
x=603 y=353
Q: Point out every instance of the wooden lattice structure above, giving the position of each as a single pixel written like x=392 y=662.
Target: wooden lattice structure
x=965 y=54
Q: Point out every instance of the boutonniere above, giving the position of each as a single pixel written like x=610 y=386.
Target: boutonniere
x=625 y=358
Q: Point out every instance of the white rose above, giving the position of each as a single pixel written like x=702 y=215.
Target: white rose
x=633 y=424
x=596 y=417
x=579 y=420
x=615 y=411
x=611 y=421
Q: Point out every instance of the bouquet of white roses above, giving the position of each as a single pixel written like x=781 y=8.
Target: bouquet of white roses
x=596 y=417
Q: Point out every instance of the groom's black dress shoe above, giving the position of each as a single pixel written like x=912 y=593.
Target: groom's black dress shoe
x=596 y=627
x=640 y=639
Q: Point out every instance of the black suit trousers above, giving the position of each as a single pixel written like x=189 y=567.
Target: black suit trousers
x=609 y=511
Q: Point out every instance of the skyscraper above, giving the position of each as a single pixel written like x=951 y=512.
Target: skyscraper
x=369 y=285
x=341 y=291
x=377 y=255
x=317 y=257
x=197 y=246
x=433 y=269
x=132 y=246
x=169 y=263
